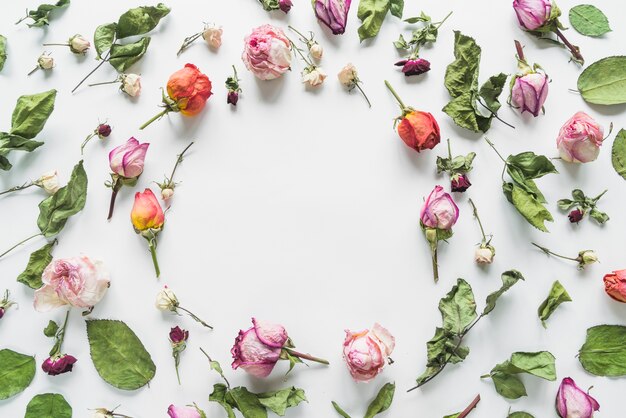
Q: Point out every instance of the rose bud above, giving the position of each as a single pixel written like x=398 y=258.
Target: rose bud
x=576 y=216
x=49 y=182
x=333 y=13
x=586 y=257
x=78 y=44
x=232 y=98
x=212 y=35
x=366 y=352
x=267 y=52
x=572 y=402
x=316 y=50
x=148 y=219
x=484 y=254
x=532 y=14
x=166 y=300
x=5 y=303
x=285 y=5
x=126 y=162
x=414 y=66
x=58 y=365
x=529 y=92
x=580 y=139
x=460 y=183
x=185 y=412
x=131 y=84
x=348 y=76
x=313 y=76
x=178 y=340
x=76 y=281
x=167 y=193
x=44 y=62
x=103 y=130
x=615 y=285
x=178 y=335
x=439 y=210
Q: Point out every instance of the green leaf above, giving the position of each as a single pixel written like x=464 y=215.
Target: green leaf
x=103 y=38
x=540 y=364
x=400 y=43
x=462 y=74
x=48 y=405
x=246 y=402
x=140 y=20
x=531 y=165
x=372 y=13
x=278 y=401
x=382 y=402
x=31 y=113
x=458 y=308
x=508 y=385
x=3 y=51
x=339 y=410
x=41 y=15
x=530 y=208
x=604 y=81
x=118 y=355
x=604 y=351
x=565 y=204
x=509 y=278
x=70 y=199
x=9 y=142
x=37 y=262
x=219 y=395
x=491 y=90
x=557 y=295
x=16 y=372
x=397 y=8
x=600 y=217
x=618 y=153
x=51 y=329
x=588 y=20
x=122 y=57
x=520 y=414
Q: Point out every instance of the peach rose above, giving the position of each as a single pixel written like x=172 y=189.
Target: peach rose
x=190 y=89
x=366 y=352
x=419 y=130
x=147 y=213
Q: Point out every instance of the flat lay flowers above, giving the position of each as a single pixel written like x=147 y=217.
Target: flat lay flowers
x=314 y=209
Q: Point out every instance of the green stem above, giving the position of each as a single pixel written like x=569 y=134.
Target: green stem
x=22 y=187
x=363 y=93
x=158 y=116
x=194 y=317
x=82 y=146
x=105 y=59
x=152 y=245
x=303 y=38
x=482 y=231
x=188 y=41
x=400 y=102
x=435 y=264
x=104 y=82
x=33 y=70
x=55 y=44
x=548 y=252
x=117 y=185
x=178 y=161
x=221 y=373
x=19 y=243
x=449 y=151
x=444 y=19
x=306 y=61
x=494 y=148
x=305 y=356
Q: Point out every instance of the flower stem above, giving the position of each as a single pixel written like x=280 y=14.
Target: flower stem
x=494 y=114
x=104 y=82
x=105 y=59
x=157 y=116
x=573 y=49
x=435 y=264
x=306 y=61
x=438 y=25
x=449 y=151
x=494 y=148
x=27 y=185
x=548 y=252
x=305 y=356
x=117 y=185
x=33 y=70
x=303 y=38
x=187 y=42
x=595 y=199
x=363 y=93
x=482 y=231
x=194 y=317
x=55 y=44
x=177 y=374
x=178 y=161
x=152 y=245
x=19 y=243
x=82 y=146
x=400 y=102
x=470 y=407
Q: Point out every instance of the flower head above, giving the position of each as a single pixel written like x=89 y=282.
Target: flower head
x=415 y=66
x=580 y=139
x=127 y=160
x=184 y=412
x=190 y=89
x=147 y=213
x=576 y=216
x=285 y=5
x=460 y=183
x=58 y=365
x=314 y=76
x=166 y=300
x=131 y=84
x=78 y=44
x=212 y=35
x=615 y=285
x=532 y=14
x=178 y=335
x=333 y=13
x=573 y=402
x=439 y=210
x=103 y=130
x=45 y=62
x=49 y=182
x=529 y=92
x=586 y=257
x=366 y=352
x=348 y=76
x=419 y=130
x=484 y=254
x=267 y=52
x=258 y=349
x=316 y=50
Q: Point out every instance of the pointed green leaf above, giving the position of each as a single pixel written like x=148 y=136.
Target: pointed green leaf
x=140 y=20
x=458 y=308
x=278 y=401
x=589 y=20
x=509 y=278
x=600 y=217
x=382 y=402
x=37 y=262
x=16 y=372
x=31 y=113
x=246 y=402
x=397 y=8
x=340 y=411
x=3 y=51
x=491 y=90
x=604 y=351
x=372 y=13
x=124 y=56
x=520 y=414
x=604 y=81
x=103 y=38
x=118 y=355
x=51 y=329
x=530 y=208
x=531 y=165
x=540 y=364
x=618 y=152
x=219 y=395
x=48 y=405
x=508 y=385
x=557 y=295
x=41 y=15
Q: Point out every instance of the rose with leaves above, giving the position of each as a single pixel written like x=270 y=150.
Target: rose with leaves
x=178 y=341
x=457 y=168
x=367 y=352
x=529 y=87
x=583 y=205
x=148 y=219
x=485 y=252
x=580 y=139
x=258 y=349
x=5 y=303
x=267 y=52
x=126 y=162
x=58 y=363
x=573 y=402
x=232 y=85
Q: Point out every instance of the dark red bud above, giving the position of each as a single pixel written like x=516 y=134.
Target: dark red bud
x=178 y=335
x=460 y=183
x=285 y=5
x=232 y=98
x=104 y=130
x=61 y=365
x=414 y=67
x=1 y=312
x=576 y=216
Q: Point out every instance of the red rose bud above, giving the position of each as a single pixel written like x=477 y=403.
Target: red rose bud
x=460 y=183
x=232 y=98
x=615 y=285
x=178 y=335
x=59 y=365
x=414 y=66
x=576 y=216
x=285 y=5
x=103 y=130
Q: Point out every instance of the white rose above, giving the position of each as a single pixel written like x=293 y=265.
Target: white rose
x=131 y=84
x=316 y=51
x=167 y=193
x=166 y=300
x=314 y=77
x=347 y=76
x=484 y=255
x=45 y=62
x=78 y=44
x=213 y=36
x=49 y=182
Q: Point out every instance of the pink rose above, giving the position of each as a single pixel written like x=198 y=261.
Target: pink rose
x=530 y=92
x=532 y=14
x=366 y=352
x=127 y=159
x=580 y=139
x=267 y=52
x=58 y=365
x=183 y=412
x=257 y=350
x=615 y=285
x=77 y=281
x=572 y=402
x=439 y=210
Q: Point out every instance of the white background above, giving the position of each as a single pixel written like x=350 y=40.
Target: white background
x=301 y=207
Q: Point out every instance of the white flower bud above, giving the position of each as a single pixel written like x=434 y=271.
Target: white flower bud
x=45 y=62
x=316 y=51
x=166 y=300
x=78 y=44
x=484 y=254
x=313 y=76
x=213 y=36
x=586 y=257
x=167 y=193
x=49 y=182
x=131 y=84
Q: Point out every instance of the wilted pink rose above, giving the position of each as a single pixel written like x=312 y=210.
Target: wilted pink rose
x=257 y=349
x=183 y=412
x=615 y=285
x=529 y=92
x=333 y=13
x=59 y=365
x=414 y=66
x=267 y=52
x=580 y=139
x=366 y=352
x=77 y=281
x=572 y=402
x=127 y=159
x=439 y=210
x=532 y=14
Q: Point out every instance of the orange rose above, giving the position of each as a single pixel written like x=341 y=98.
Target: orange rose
x=419 y=130
x=147 y=213
x=615 y=285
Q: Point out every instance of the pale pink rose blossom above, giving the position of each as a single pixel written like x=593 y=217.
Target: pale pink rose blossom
x=573 y=402
x=183 y=412
x=267 y=52
x=366 y=352
x=212 y=35
x=439 y=210
x=127 y=160
x=131 y=84
x=77 y=281
x=529 y=93
x=314 y=77
x=580 y=139
x=532 y=14
x=257 y=350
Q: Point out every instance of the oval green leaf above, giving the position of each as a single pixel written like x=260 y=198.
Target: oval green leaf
x=604 y=351
x=3 y=51
x=124 y=56
x=618 y=153
x=16 y=372
x=118 y=355
x=604 y=81
x=140 y=20
x=31 y=113
x=589 y=20
x=48 y=405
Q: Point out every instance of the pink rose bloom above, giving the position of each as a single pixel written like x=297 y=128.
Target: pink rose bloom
x=530 y=92
x=615 y=285
x=532 y=14
x=439 y=210
x=572 y=402
x=366 y=352
x=183 y=412
x=127 y=159
x=77 y=281
x=257 y=350
x=267 y=52
x=580 y=139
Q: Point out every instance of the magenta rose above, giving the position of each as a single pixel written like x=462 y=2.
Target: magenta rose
x=333 y=13
x=439 y=210
x=573 y=402
x=530 y=92
x=59 y=365
x=183 y=412
x=580 y=139
x=532 y=14
x=415 y=66
x=127 y=159
x=366 y=352
x=77 y=281
x=267 y=52
x=258 y=349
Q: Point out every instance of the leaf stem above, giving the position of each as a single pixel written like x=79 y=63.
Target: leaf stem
x=105 y=59
x=400 y=102
x=548 y=252
x=152 y=246
x=194 y=317
x=573 y=49
x=494 y=148
x=470 y=407
x=305 y=356
x=19 y=243
x=494 y=114
x=482 y=231
x=219 y=371
x=155 y=117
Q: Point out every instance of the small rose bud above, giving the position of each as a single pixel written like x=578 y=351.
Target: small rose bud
x=460 y=183
x=49 y=182
x=178 y=335
x=78 y=44
x=45 y=62
x=348 y=76
x=285 y=5
x=232 y=98
x=212 y=35
x=131 y=84
x=316 y=51
x=529 y=92
x=576 y=216
x=586 y=257
x=573 y=402
x=60 y=365
x=313 y=76
x=167 y=193
x=166 y=300
x=615 y=285
x=532 y=14
x=103 y=130
x=484 y=254
x=414 y=66
x=184 y=412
